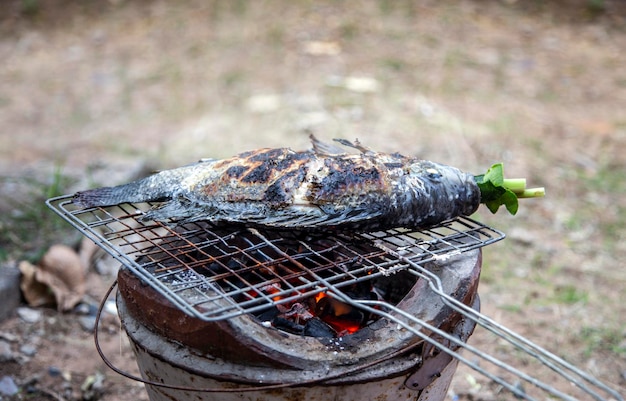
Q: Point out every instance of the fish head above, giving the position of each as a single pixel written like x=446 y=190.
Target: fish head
x=446 y=184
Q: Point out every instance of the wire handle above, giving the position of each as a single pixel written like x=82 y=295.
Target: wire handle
x=574 y=375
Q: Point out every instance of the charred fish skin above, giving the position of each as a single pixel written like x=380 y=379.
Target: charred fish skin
x=431 y=193
x=322 y=188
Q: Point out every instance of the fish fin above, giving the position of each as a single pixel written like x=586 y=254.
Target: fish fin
x=313 y=217
x=356 y=145
x=329 y=149
x=180 y=211
x=184 y=210
x=325 y=149
x=207 y=160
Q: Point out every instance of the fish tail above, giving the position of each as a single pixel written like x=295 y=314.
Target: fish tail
x=154 y=188
x=108 y=196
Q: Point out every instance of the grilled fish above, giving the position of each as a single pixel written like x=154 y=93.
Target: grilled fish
x=324 y=187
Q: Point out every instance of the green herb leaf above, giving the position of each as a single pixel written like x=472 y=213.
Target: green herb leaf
x=493 y=192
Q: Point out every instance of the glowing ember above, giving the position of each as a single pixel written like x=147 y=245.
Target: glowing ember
x=320 y=315
x=340 y=316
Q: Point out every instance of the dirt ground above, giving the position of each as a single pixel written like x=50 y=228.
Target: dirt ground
x=94 y=92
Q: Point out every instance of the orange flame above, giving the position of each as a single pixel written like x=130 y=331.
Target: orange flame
x=336 y=317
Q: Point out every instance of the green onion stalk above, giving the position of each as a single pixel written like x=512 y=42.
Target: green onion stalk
x=496 y=191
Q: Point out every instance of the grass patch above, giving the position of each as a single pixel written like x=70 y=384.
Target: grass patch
x=502 y=124
x=511 y=308
x=608 y=178
x=602 y=191
x=568 y=294
x=393 y=64
x=349 y=30
x=30 y=7
x=608 y=339
x=596 y=7
x=27 y=226
x=275 y=36
x=232 y=78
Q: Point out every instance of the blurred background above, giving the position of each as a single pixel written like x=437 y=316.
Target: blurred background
x=97 y=93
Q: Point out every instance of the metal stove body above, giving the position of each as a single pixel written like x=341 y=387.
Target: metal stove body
x=379 y=362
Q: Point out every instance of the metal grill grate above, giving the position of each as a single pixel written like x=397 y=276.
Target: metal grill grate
x=213 y=273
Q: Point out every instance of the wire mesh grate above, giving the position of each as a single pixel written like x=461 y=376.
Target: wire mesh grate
x=216 y=273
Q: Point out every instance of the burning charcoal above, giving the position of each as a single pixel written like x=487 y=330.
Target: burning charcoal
x=317 y=328
x=361 y=290
x=287 y=325
x=339 y=315
x=268 y=314
x=395 y=287
x=298 y=312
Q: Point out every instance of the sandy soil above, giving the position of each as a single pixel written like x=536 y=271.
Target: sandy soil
x=104 y=90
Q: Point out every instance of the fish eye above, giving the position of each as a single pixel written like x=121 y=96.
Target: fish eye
x=433 y=173
x=430 y=173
